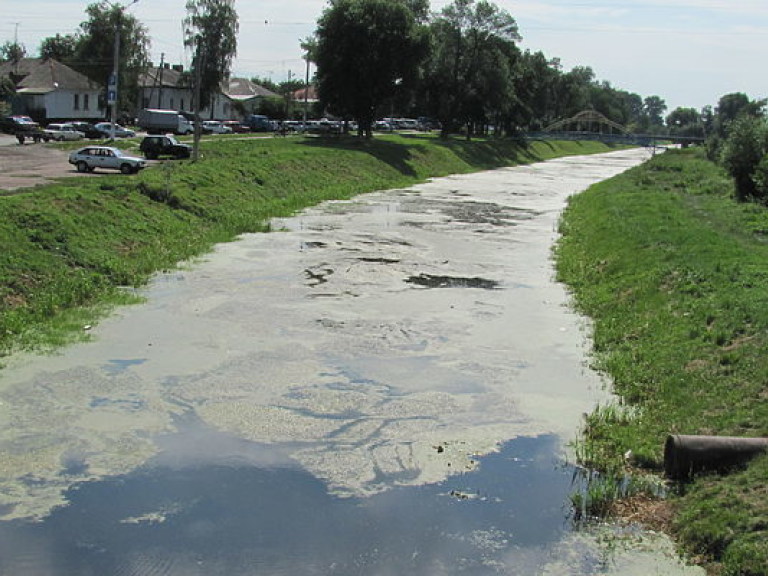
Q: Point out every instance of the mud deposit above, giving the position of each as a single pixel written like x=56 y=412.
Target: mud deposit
x=385 y=386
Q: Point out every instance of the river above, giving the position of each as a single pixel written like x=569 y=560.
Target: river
x=386 y=385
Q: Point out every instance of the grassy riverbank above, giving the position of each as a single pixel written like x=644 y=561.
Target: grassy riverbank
x=674 y=274
x=68 y=246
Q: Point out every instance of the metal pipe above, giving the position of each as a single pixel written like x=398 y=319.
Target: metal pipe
x=686 y=455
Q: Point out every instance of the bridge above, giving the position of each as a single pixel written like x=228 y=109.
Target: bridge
x=591 y=125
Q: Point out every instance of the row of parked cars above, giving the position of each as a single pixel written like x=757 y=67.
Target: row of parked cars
x=80 y=130
x=61 y=131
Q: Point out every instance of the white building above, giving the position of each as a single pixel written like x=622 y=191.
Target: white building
x=169 y=88
x=49 y=90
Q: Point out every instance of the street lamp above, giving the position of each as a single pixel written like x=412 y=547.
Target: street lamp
x=112 y=84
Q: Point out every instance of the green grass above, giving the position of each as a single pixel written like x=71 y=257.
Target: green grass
x=674 y=274
x=70 y=247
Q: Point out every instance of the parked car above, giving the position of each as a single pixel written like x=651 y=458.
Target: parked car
x=89 y=130
x=120 y=132
x=427 y=124
x=215 y=127
x=62 y=132
x=23 y=127
x=259 y=123
x=15 y=124
x=106 y=157
x=236 y=127
x=155 y=146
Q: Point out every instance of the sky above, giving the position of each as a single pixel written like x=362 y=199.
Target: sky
x=688 y=52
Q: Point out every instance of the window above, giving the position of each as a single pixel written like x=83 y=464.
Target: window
x=77 y=101
x=85 y=102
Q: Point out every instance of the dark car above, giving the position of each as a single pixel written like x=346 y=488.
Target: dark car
x=16 y=124
x=89 y=130
x=155 y=146
x=259 y=123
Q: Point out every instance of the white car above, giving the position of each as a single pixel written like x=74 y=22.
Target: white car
x=215 y=127
x=120 y=132
x=106 y=157
x=62 y=132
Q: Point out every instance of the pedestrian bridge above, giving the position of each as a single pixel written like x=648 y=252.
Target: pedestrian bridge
x=591 y=125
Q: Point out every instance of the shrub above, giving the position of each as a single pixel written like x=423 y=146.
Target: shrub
x=741 y=153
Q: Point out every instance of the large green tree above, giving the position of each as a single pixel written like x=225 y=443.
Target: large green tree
x=210 y=31
x=367 y=51
x=95 y=48
x=61 y=48
x=732 y=106
x=471 y=70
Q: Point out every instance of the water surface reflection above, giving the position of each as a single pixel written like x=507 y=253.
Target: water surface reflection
x=217 y=505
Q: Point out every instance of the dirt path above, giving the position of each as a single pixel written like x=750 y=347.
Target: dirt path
x=30 y=165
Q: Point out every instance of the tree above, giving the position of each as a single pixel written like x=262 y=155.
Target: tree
x=210 y=31
x=685 y=122
x=95 y=48
x=367 y=51
x=731 y=107
x=61 y=48
x=471 y=70
x=742 y=152
x=7 y=90
x=654 y=108
x=419 y=8
x=12 y=52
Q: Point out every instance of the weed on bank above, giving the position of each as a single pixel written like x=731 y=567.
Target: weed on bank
x=674 y=274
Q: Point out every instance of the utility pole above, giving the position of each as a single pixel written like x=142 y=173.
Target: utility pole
x=16 y=50
x=199 y=59
x=113 y=79
x=160 y=89
x=306 y=94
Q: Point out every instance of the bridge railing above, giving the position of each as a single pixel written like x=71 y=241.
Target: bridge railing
x=627 y=139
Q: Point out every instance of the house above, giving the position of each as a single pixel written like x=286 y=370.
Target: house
x=49 y=90
x=165 y=88
x=245 y=95
x=170 y=88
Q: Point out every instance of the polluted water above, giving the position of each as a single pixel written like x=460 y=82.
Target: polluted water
x=385 y=385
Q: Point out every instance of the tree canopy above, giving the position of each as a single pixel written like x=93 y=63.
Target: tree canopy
x=470 y=73
x=90 y=50
x=210 y=31
x=95 y=46
x=12 y=52
x=461 y=66
x=61 y=48
x=367 y=51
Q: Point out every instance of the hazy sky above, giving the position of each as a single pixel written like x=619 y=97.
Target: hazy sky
x=689 y=52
